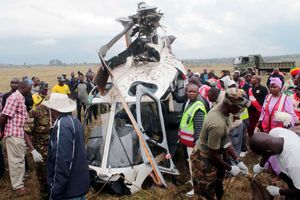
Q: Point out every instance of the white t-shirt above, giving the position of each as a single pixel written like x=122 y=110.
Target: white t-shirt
x=289 y=158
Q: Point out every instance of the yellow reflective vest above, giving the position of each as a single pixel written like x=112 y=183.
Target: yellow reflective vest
x=186 y=132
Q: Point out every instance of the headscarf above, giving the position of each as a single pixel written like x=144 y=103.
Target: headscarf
x=276 y=81
x=295 y=71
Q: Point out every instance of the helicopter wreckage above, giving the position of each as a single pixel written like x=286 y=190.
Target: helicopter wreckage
x=132 y=142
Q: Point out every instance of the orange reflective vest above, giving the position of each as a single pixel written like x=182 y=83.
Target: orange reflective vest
x=268 y=122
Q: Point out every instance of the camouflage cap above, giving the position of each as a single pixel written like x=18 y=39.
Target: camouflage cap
x=234 y=96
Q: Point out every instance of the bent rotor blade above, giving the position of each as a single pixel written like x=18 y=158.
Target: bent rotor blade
x=103 y=50
x=102 y=74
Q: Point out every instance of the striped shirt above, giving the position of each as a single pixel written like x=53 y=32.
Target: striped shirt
x=198 y=122
x=15 y=109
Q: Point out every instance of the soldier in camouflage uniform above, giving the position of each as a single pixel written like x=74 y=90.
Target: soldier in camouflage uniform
x=37 y=133
x=208 y=164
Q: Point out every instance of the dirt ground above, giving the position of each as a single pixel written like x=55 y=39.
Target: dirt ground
x=235 y=188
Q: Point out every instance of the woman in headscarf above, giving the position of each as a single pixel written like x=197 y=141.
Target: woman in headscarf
x=275 y=107
x=288 y=87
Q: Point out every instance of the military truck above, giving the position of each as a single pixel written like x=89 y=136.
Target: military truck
x=257 y=64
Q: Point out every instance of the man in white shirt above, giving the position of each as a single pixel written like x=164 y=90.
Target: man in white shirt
x=285 y=145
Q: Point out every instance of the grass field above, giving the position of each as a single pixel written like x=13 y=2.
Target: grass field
x=238 y=188
x=45 y=73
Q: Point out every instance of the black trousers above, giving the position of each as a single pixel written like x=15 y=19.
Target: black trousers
x=2 y=165
x=79 y=106
x=93 y=110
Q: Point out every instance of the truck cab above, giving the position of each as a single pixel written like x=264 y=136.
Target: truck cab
x=243 y=63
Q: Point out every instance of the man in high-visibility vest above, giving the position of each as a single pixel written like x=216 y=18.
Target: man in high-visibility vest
x=256 y=94
x=191 y=122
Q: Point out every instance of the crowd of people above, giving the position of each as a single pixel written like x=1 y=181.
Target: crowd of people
x=219 y=114
x=44 y=123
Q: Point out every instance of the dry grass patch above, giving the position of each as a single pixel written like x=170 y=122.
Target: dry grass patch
x=45 y=73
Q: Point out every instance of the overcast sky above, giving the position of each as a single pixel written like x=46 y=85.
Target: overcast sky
x=35 y=31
